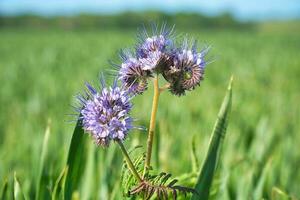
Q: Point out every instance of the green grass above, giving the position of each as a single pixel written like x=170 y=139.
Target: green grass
x=41 y=71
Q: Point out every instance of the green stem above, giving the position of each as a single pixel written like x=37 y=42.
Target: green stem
x=129 y=162
x=152 y=124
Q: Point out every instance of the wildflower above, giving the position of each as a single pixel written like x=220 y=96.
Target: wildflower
x=187 y=69
x=132 y=75
x=152 y=50
x=153 y=60
x=105 y=113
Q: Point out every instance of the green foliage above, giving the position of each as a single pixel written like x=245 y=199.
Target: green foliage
x=278 y=194
x=76 y=160
x=41 y=70
x=160 y=186
x=89 y=178
x=18 y=193
x=258 y=191
x=4 y=189
x=206 y=175
x=59 y=187
x=128 y=181
x=41 y=183
x=195 y=161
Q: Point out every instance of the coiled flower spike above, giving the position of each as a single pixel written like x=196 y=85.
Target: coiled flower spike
x=183 y=67
x=187 y=69
x=132 y=75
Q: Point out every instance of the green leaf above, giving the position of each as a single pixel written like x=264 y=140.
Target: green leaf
x=89 y=178
x=76 y=160
x=41 y=183
x=127 y=179
x=18 y=194
x=4 y=190
x=59 y=187
x=278 y=194
x=195 y=161
x=206 y=176
x=258 y=191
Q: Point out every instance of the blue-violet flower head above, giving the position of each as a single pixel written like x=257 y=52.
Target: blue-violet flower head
x=105 y=113
x=151 y=50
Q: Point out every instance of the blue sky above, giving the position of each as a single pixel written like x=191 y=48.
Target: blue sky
x=241 y=9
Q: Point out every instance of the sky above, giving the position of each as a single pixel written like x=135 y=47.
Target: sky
x=243 y=10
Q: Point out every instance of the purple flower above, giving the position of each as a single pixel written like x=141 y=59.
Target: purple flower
x=156 y=43
x=105 y=113
x=156 y=54
x=187 y=69
x=132 y=75
x=151 y=50
x=152 y=60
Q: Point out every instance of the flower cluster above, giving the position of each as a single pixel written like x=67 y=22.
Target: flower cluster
x=183 y=67
x=105 y=113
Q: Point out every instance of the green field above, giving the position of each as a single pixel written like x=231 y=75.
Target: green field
x=41 y=71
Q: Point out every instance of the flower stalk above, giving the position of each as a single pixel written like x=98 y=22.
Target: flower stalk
x=152 y=124
x=129 y=162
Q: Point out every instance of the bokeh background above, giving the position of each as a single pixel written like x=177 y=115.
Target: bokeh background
x=48 y=49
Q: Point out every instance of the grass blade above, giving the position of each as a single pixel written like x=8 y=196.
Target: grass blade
x=258 y=191
x=205 y=178
x=59 y=187
x=89 y=177
x=195 y=161
x=76 y=160
x=41 y=184
x=4 y=189
x=18 y=194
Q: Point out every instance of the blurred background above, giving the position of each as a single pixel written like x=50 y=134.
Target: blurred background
x=48 y=49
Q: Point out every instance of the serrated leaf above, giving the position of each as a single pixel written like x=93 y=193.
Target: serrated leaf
x=165 y=179
x=127 y=179
x=59 y=187
x=76 y=160
x=18 y=193
x=206 y=175
x=41 y=187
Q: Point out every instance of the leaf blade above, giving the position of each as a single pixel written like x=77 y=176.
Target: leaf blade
x=41 y=182
x=59 y=187
x=76 y=160
x=4 y=189
x=18 y=193
x=206 y=175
